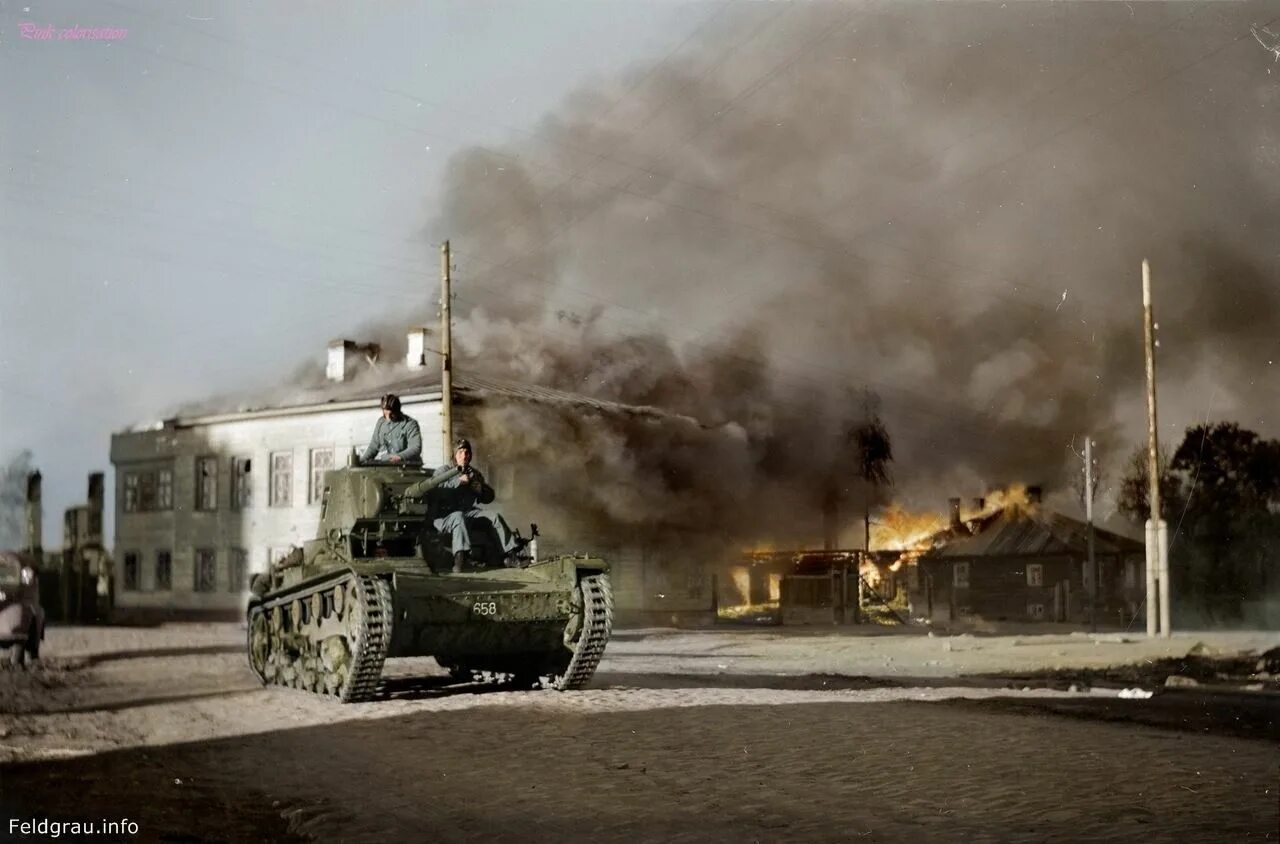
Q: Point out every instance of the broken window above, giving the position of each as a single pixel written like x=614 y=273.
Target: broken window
x=241 y=487
x=206 y=575
x=131 y=571
x=321 y=462
x=282 y=479
x=1035 y=611
x=206 y=483
x=147 y=491
x=164 y=571
x=237 y=570
x=1035 y=574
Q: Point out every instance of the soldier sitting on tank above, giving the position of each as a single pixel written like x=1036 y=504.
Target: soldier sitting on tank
x=396 y=438
x=456 y=502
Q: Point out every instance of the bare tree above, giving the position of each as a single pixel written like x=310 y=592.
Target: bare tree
x=874 y=452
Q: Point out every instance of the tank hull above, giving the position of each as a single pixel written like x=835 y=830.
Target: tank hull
x=546 y=624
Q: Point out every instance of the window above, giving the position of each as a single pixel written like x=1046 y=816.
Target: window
x=147 y=491
x=1035 y=611
x=241 y=487
x=164 y=489
x=206 y=483
x=237 y=570
x=206 y=575
x=321 y=462
x=1035 y=574
x=1131 y=574
x=164 y=571
x=960 y=575
x=282 y=479
x=131 y=492
x=131 y=571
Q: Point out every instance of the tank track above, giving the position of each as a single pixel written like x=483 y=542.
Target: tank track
x=597 y=625
x=584 y=640
x=330 y=638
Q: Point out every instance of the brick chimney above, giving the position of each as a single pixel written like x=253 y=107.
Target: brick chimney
x=954 y=507
x=95 y=508
x=979 y=504
x=344 y=355
x=417 y=354
x=1035 y=494
x=35 y=516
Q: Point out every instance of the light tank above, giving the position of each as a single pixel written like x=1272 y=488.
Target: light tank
x=377 y=583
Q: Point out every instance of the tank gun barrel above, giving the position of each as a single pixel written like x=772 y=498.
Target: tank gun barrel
x=421 y=488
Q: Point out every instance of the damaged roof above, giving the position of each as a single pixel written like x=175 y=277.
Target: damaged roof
x=1033 y=531
x=409 y=386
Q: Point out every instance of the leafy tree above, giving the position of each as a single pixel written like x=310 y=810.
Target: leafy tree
x=1222 y=505
x=1134 y=499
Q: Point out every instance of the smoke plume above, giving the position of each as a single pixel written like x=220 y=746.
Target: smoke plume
x=944 y=205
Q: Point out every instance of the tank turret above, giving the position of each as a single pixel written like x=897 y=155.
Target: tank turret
x=375 y=583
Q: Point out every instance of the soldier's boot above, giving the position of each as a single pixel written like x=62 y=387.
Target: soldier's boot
x=459 y=561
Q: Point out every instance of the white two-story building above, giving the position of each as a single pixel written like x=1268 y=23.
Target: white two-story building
x=206 y=499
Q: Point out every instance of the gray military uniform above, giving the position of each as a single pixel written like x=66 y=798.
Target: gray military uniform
x=458 y=502
x=397 y=437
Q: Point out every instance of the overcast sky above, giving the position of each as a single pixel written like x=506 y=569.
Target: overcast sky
x=197 y=207
x=202 y=204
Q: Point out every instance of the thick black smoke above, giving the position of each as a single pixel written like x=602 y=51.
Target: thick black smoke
x=944 y=204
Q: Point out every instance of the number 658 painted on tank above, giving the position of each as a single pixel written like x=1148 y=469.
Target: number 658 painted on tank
x=376 y=583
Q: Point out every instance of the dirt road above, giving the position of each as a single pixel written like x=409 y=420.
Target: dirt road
x=683 y=736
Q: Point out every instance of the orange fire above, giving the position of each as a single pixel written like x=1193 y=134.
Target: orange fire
x=898 y=529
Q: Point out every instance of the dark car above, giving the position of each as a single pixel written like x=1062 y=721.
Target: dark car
x=21 y=616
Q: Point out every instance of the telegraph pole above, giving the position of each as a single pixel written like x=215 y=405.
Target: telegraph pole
x=1088 y=516
x=446 y=355
x=1157 y=537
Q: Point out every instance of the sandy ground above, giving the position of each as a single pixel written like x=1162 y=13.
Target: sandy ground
x=739 y=734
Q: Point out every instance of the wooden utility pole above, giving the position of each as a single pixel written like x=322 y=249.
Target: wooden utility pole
x=446 y=356
x=1088 y=517
x=1157 y=542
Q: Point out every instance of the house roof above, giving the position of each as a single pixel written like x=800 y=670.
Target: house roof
x=1031 y=531
x=409 y=385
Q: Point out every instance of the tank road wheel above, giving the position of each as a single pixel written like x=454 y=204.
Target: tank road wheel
x=339 y=596
x=317 y=608
x=587 y=633
x=259 y=644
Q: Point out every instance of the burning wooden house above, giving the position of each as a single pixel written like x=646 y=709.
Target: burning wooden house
x=1024 y=562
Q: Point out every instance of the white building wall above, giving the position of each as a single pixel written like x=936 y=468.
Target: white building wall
x=257 y=529
x=643 y=580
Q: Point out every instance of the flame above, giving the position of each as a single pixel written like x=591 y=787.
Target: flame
x=898 y=529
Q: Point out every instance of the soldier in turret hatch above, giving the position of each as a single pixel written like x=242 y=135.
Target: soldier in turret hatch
x=457 y=501
x=396 y=438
